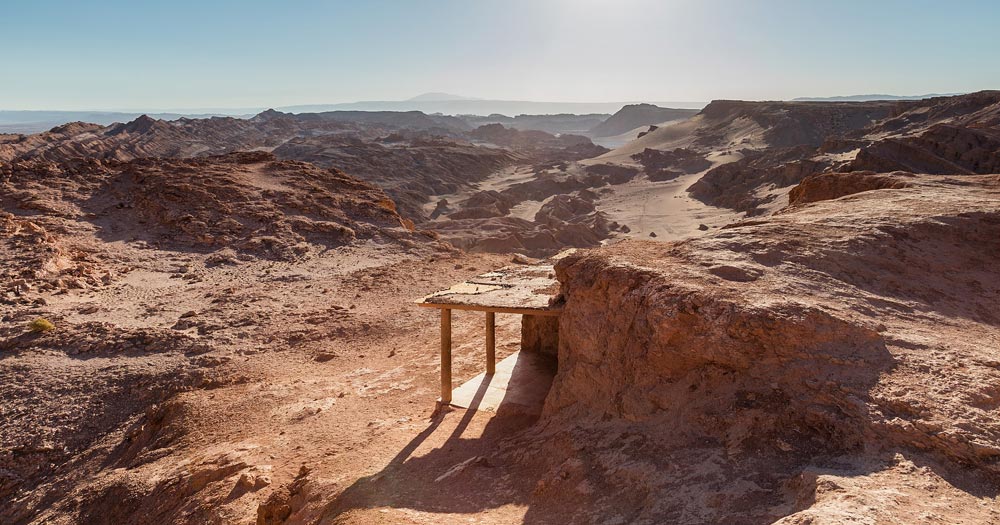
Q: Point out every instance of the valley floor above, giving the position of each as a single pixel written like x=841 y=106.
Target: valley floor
x=336 y=386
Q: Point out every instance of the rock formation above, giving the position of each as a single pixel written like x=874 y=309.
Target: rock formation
x=194 y=334
x=250 y=202
x=409 y=171
x=635 y=116
x=556 y=124
x=740 y=377
x=409 y=154
x=779 y=144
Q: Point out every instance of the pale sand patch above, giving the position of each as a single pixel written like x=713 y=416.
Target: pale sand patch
x=618 y=141
x=740 y=133
x=666 y=208
x=680 y=134
x=526 y=210
x=663 y=208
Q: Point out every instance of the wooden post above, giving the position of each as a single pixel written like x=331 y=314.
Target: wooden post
x=491 y=343
x=445 y=356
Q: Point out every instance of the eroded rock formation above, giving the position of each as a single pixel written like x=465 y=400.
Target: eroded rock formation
x=850 y=337
x=249 y=202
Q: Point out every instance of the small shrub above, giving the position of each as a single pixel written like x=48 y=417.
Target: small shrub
x=41 y=325
x=387 y=204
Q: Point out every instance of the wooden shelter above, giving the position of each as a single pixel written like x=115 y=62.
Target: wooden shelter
x=531 y=291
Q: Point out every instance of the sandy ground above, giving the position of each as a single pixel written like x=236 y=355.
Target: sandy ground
x=677 y=135
x=665 y=208
x=661 y=208
x=341 y=382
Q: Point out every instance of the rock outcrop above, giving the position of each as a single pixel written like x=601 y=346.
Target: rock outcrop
x=943 y=135
x=685 y=160
x=567 y=218
x=250 y=202
x=558 y=123
x=737 y=184
x=409 y=170
x=723 y=379
x=947 y=135
x=826 y=186
x=38 y=260
x=635 y=116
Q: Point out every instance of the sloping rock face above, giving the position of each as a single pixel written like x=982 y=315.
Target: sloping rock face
x=787 y=124
x=51 y=437
x=547 y=235
x=944 y=135
x=826 y=186
x=957 y=135
x=685 y=160
x=636 y=115
x=742 y=377
x=734 y=185
x=408 y=170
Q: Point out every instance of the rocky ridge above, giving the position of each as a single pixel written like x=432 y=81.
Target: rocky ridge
x=252 y=203
x=781 y=356
x=942 y=135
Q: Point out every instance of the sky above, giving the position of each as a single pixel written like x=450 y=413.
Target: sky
x=181 y=54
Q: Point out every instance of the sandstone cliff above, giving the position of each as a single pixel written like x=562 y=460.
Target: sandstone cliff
x=791 y=367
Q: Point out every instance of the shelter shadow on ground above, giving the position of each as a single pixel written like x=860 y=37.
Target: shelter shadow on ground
x=438 y=481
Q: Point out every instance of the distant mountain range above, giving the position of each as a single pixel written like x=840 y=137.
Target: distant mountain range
x=439 y=97
x=871 y=98
x=32 y=121
x=468 y=106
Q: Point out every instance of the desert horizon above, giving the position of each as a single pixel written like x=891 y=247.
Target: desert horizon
x=34 y=120
x=521 y=262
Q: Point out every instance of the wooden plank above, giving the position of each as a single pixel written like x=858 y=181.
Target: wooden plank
x=445 y=356
x=553 y=311
x=491 y=343
x=513 y=289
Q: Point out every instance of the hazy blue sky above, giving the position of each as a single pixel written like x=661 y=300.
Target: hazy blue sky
x=195 y=54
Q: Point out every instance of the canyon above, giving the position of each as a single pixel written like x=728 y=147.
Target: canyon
x=773 y=312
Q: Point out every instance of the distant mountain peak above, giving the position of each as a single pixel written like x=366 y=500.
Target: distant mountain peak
x=267 y=114
x=437 y=96
x=142 y=124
